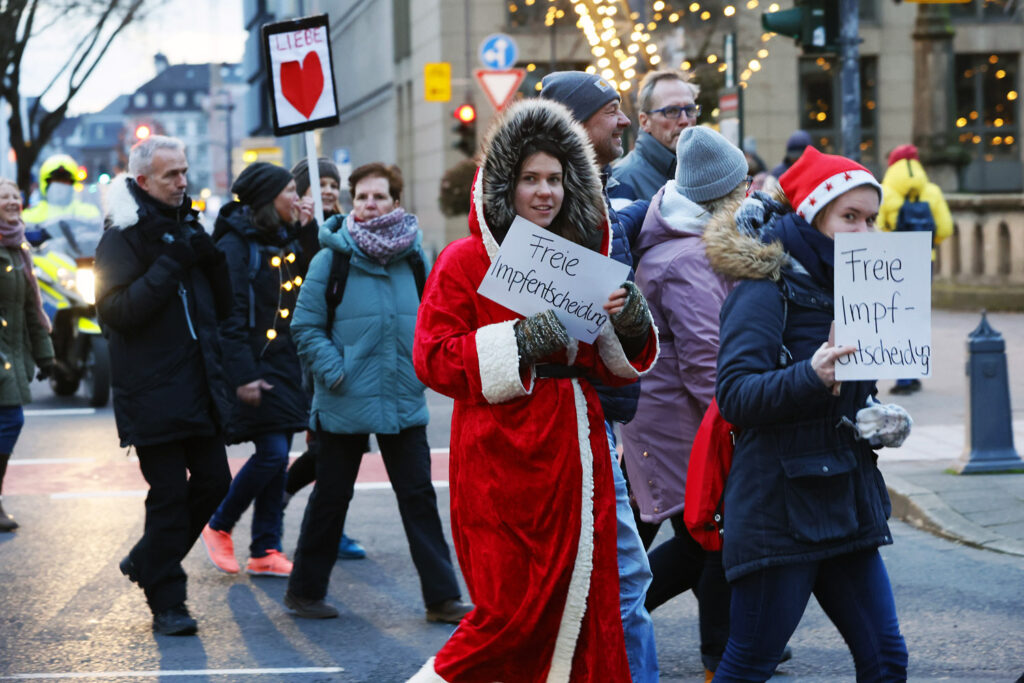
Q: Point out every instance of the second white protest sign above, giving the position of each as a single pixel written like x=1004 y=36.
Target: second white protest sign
x=535 y=270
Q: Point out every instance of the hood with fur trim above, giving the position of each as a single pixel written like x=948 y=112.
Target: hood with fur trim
x=583 y=217
x=739 y=254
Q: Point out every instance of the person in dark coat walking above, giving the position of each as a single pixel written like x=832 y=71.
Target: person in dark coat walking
x=259 y=237
x=805 y=506
x=161 y=286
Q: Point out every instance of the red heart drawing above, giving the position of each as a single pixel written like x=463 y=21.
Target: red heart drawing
x=303 y=85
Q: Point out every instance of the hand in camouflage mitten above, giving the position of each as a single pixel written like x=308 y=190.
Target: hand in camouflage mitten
x=884 y=425
x=633 y=320
x=540 y=335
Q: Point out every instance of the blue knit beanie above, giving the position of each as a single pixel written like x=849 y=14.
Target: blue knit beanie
x=707 y=165
x=581 y=92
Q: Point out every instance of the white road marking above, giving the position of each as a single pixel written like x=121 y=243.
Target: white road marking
x=47 y=461
x=97 y=494
x=56 y=412
x=378 y=485
x=106 y=675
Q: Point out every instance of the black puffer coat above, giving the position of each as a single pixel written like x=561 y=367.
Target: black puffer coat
x=248 y=352
x=160 y=321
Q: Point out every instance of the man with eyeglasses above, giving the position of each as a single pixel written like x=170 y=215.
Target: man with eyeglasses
x=666 y=101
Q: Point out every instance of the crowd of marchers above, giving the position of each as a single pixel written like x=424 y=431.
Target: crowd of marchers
x=275 y=323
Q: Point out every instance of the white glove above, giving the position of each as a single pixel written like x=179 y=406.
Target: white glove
x=884 y=425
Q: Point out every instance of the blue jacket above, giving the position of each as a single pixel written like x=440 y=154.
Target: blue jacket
x=364 y=381
x=801 y=488
x=644 y=171
x=619 y=403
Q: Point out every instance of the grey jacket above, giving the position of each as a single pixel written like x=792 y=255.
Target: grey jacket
x=645 y=169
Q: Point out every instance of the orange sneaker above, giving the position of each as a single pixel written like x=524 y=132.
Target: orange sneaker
x=220 y=549
x=274 y=563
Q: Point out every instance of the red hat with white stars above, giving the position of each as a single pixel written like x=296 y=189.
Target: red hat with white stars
x=815 y=179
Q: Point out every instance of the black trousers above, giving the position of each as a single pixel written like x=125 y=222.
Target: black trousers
x=407 y=459
x=187 y=481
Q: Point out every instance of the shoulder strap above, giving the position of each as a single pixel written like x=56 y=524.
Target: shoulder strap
x=419 y=271
x=784 y=354
x=335 y=290
x=254 y=268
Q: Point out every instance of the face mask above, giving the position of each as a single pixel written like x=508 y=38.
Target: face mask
x=59 y=193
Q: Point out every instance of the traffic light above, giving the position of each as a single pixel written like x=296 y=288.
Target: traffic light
x=465 y=129
x=813 y=24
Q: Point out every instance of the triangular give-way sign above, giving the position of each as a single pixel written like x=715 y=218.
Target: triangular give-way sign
x=499 y=85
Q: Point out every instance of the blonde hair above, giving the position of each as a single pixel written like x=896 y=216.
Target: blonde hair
x=8 y=181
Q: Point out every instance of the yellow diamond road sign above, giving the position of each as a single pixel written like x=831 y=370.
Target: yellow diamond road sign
x=437 y=80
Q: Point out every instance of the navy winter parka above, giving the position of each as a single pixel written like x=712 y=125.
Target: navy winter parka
x=248 y=353
x=801 y=488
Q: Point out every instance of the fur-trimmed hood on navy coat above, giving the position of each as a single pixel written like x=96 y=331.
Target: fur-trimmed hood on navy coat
x=549 y=125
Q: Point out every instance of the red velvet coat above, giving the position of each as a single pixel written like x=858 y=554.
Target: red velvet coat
x=532 y=497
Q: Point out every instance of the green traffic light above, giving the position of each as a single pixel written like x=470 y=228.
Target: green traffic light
x=788 y=22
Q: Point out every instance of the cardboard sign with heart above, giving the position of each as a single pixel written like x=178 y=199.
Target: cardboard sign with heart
x=298 y=59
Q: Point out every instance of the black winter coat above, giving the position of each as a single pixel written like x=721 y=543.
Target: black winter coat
x=801 y=488
x=160 y=320
x=248 y=352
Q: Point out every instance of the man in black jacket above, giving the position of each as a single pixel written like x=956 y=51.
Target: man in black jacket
x=161 y=284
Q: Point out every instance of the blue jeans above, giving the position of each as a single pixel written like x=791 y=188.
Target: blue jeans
x=852 y=589
x=260 y=482
x=634 y=579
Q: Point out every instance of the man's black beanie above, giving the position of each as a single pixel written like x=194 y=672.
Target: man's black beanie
x=260 y=183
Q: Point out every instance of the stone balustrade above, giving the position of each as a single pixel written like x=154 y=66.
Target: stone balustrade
x=987 y=245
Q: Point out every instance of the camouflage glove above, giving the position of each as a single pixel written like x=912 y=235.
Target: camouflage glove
x=634 y=320
x=540 y=335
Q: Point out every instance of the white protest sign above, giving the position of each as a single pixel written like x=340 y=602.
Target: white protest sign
x=298 y=59
x=883 y=304
x=535 y=270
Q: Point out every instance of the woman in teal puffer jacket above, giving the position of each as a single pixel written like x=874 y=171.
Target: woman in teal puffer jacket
x=364 y=383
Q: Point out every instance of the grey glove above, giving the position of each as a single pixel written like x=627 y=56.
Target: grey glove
x=634 y=320
x=884 y=425
x=540 y=335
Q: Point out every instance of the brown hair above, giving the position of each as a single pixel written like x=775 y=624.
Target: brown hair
x=377 y=169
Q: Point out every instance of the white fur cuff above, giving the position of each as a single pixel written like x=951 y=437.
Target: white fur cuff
x=427 y=674
x=498 y=357
x=610 y=349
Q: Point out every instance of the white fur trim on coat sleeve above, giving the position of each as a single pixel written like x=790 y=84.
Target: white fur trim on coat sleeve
x=579 y=582
x=498 y=357
x=610 y=349
x=427 y=674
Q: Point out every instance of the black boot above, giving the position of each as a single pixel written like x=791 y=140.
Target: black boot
x=7 y=522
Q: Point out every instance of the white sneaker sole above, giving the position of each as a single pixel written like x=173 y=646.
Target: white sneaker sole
x=253 y=572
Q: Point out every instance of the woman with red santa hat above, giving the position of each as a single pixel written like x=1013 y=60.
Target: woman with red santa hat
x=532 y=495
x=805 y=506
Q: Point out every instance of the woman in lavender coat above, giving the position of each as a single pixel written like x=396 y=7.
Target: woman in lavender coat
x=685 y=297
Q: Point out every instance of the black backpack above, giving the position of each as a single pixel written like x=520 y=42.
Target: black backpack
x=335 y=289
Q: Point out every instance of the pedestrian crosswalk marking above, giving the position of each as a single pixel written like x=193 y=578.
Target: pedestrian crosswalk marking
x=107 y=675
x=57 y=412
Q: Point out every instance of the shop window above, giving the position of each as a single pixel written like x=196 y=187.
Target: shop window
x=821 y=99
x=987 y=120
x=988 y=11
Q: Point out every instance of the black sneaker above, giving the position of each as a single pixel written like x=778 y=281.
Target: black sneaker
x=127 y=568
x=448 y=611
x=308 y=608
x=174 y=621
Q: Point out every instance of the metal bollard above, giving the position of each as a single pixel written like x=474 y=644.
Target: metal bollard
x=989 y=419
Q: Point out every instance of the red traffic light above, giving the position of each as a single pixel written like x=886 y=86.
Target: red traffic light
x=465 y=113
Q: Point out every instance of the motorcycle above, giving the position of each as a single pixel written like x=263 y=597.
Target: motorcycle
x=64 y=269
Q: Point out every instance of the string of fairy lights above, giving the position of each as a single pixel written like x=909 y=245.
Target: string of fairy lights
x=620 y=44
x=288 y=283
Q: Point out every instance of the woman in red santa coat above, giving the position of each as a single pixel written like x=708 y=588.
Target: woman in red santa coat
x=533 y=508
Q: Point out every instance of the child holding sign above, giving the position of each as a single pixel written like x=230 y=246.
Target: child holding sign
x=805 y=506
x=532 y=496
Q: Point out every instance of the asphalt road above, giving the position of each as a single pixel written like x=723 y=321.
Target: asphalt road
x=67 y=613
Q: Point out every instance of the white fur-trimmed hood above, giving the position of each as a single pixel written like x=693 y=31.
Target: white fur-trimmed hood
x=121 y=210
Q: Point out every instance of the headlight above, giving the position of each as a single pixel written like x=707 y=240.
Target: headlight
x=85 y=283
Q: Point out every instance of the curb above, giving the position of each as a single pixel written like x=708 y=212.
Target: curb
x=924 y=509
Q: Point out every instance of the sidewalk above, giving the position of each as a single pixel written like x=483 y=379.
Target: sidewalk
x=981 y=510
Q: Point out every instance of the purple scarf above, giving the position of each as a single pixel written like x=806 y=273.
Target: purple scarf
x=12 y=236
x=383 y=237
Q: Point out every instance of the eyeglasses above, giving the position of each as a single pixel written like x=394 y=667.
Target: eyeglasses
x=674 y=111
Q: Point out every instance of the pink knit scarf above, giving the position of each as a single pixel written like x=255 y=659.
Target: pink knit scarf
x=12 y=236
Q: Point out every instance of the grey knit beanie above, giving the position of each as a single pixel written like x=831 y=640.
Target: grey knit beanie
x=581 y=92
x=707 y=165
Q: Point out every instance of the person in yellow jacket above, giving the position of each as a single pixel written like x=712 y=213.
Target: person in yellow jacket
x=905 y=178
x=56 y=184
